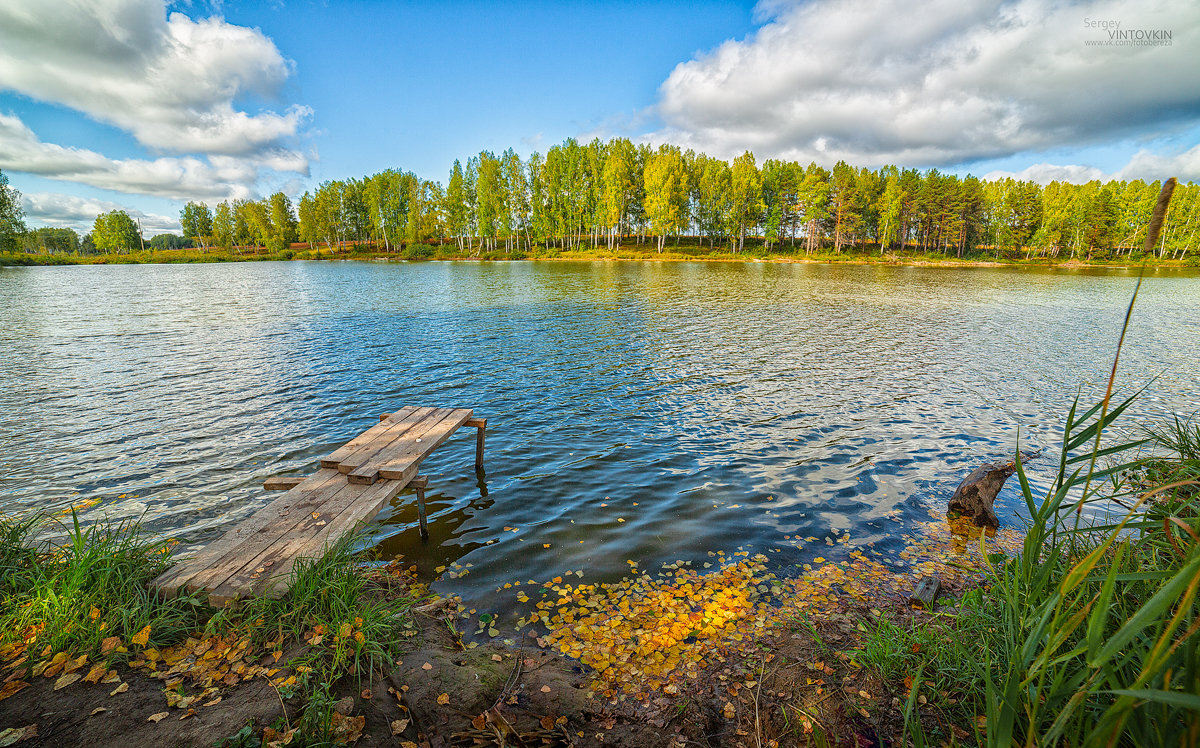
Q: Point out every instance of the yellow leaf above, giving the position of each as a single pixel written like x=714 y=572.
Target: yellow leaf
x=156 y=718
x=66 y=680
x=730 y=711
x=142 y=638
x=443 y=699
x=119 y=689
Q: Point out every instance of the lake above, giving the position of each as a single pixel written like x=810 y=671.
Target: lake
x=637 y=411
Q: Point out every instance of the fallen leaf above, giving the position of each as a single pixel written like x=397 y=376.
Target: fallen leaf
x=156 y=718
x=497 y=658
x=142 y=637
x=66 y=680
x=366 y=694
x=98 y=710
x=443 y=699
x=119 y=689
x=545 y=689
x=95 y=674
x=10 y=688
x=15 y=735
x=730 y=711
x=427 y=666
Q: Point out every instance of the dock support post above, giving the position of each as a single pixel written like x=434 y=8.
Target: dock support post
x=481 y=425
x=419 y=483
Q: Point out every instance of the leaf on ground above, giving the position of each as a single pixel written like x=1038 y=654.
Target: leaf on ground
x=95 y=674
x=399 y=726
x=443 y=699
x=14 y=735
x=479 y=722
x=156 y=718
x=119 y=689
x=66 y=680
x=545 y=689
x=142 y=638
x=10 y=688
x=98 y=710
x=730 y=711
x=427 y=666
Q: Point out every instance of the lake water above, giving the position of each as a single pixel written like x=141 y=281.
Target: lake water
x=637 y=411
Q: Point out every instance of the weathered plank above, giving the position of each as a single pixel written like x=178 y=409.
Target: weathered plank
x=386 y=421
x=260 y=554
x=171 y=581
x=282 y=482
x=269 y=526
x=400 y=460
x=414 y=423
x=307 y=539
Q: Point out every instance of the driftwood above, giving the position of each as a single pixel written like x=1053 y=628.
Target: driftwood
x=926 y=593
x=975 y=495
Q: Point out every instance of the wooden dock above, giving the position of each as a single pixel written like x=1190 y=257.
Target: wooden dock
x=353 y=484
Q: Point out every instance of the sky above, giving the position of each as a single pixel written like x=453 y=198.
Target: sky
x=144 y=105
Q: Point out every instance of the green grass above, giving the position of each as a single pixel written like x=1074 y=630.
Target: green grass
x=1091 y=636
x=70 y=598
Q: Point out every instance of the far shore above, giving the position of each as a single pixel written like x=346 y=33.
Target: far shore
x=628 y=253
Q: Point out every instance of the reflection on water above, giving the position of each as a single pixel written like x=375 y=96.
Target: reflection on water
x=637 y=411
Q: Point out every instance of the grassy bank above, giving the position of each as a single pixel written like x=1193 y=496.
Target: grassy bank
x=629 y=250
x=1082 y=633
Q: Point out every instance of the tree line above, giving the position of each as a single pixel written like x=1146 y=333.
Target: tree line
x=603 y=194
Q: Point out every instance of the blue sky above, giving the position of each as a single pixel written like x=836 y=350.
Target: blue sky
x=121 y=103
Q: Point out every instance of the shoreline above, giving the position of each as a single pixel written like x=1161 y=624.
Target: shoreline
x=184 y=257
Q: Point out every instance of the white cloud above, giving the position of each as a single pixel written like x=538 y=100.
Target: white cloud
x=176 y=178
x=177 y=85
x=170 y=81
x=79 y=213
x=1145 y=164
x=942 y=83
x=1046 y=173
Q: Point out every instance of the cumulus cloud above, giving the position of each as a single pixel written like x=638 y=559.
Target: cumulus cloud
x=171 y=82
x=79 y=213
x=882 y=81
x=177 y=85
x=1145 y=164
x=176 y=178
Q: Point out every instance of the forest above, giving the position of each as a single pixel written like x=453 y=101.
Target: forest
x=601 y=195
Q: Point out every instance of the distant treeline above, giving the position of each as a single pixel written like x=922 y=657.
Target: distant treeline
x=598 y=194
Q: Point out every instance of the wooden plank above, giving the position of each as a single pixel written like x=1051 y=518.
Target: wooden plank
x=308 y=539
x=401 y=460
x=267 y=527
x=411 y=436
x=385 y=422
x=414 y=422
x=173 y=579
x=282 y=482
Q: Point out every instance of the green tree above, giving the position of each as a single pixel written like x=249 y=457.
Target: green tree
x=12 y=216
x=666 y=194
x=745 y=200
x=197 y=219
x=115 y=232
x=224 y=226
x=284 y=227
